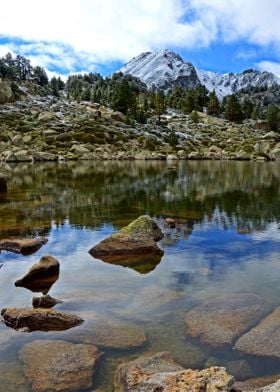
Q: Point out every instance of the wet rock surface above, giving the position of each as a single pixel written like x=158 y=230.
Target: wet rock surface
x=222 y=320
x=41 y=275
x=56 y=366
x=256 y=384
x=158 y=372
x=240 y=369
x=138 y=239
x=264 y=339
x=25 y=246
x=46 y=301
x=29 y=320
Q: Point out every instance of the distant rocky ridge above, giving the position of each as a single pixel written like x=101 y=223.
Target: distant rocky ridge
x=165 y=69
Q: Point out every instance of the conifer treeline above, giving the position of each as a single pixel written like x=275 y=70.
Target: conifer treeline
x=130 y=95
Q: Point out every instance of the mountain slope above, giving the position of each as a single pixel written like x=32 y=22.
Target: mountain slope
x=162 y=69
x=166 y=69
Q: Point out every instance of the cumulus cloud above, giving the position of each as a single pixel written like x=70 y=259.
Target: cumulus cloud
x=270 y=66
x=256 y=21
x=65 y=33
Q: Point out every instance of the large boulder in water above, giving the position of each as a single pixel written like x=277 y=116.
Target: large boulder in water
x=29 y=320
x=25 y=246
x=264 y=339
x=134 y=245
x=222 y=320
x=41 y=275
x=56 y=366
x=158 y=372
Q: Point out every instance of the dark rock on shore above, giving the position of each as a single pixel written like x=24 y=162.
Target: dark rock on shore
x=3 y=184
x=41 y=275
x=28 y=320
x=134 y=245
x=222 y=320
x=25 y=246
x=57 y=366
x=158 y=372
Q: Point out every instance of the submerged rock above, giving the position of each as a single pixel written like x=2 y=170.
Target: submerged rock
x=107 y=333
x=46 y=301
x=264 y=339
x=25 y=246
x=256 y=384
x=134 y=245
x=29 y=320
x=275 y=387
x=12 y=378
x=158 y=372
x=56 y=366
x=41 y=275
x=222 y=320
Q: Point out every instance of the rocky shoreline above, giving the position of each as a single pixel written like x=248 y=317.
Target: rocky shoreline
x=50 y=129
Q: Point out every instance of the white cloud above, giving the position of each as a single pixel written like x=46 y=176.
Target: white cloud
x=270 y=66
x=98 y=31
x=256 y=21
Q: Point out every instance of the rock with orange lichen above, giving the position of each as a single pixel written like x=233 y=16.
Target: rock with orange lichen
x=158 y=372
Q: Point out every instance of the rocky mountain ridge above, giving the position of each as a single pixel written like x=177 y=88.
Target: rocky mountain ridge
x=165 y=69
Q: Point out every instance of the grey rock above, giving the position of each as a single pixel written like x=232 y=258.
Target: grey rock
x=222 y=320
x=264 y=339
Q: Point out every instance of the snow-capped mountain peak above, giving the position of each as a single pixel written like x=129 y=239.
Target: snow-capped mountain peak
x=165 y=69
x=162 y=69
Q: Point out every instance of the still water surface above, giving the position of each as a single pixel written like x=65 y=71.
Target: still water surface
x=227 y=241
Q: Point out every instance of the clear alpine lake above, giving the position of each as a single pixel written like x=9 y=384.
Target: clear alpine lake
x=226 y=243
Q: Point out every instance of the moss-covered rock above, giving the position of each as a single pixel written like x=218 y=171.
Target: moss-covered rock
x=135 y=243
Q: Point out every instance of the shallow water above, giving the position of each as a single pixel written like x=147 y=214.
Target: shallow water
x=227 y=241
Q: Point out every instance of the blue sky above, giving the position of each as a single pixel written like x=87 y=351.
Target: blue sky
x=69 y=36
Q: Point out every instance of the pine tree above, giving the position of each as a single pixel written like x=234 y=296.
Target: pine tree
x=54 y=86
x=233 y=111
x=160 y=104
x=214 y=107
x=194 y=117
x=273 y=117
x=40 y=76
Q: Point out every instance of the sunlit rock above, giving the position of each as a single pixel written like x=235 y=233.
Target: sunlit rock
x=158 y=372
